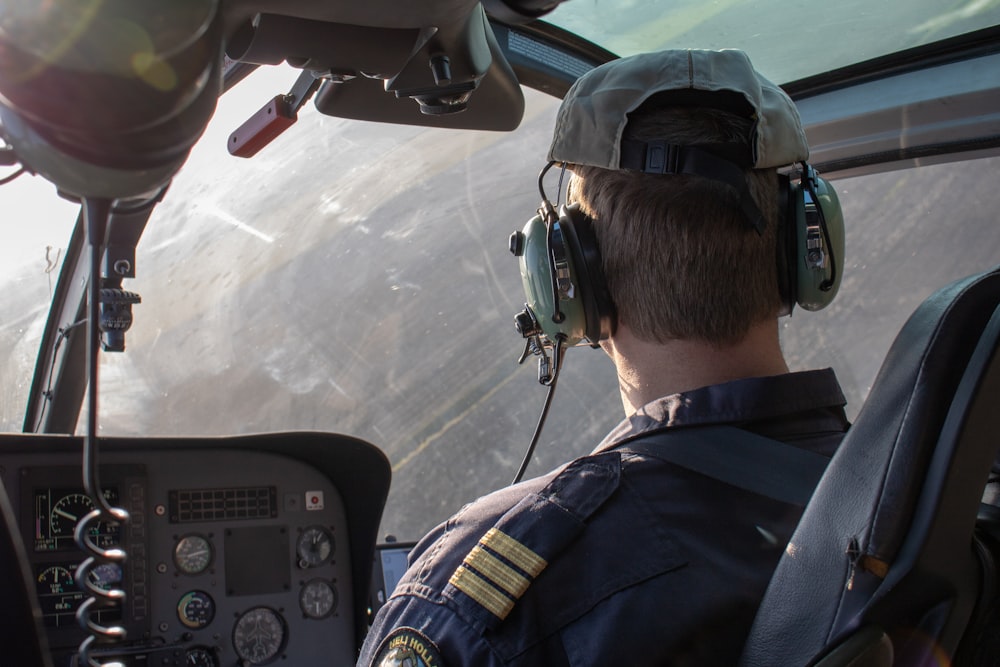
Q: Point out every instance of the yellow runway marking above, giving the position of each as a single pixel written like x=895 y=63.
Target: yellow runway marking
x=451 y=422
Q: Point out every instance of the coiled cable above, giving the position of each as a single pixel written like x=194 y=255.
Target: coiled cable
x=96 y=214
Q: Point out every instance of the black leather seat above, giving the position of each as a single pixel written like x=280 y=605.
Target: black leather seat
x=884 y=567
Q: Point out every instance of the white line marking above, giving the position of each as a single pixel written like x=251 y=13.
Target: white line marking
x=226 y=216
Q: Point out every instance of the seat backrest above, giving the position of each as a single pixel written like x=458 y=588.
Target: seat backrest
x=885 y=545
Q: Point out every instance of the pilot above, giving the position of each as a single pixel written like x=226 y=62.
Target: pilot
x=623 y=556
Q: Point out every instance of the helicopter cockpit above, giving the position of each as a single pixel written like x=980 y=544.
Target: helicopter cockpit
x=255 y=267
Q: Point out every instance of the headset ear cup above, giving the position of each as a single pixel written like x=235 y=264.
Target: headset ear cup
x=833 y=214
x=594 y=296
x=548 y=256
x=810 y=242
x=790 y=202
x=545 y=264
x=820 y=242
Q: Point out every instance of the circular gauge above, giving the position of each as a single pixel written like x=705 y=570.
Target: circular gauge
x=315 y=546
x=106 y=575
x=67 y=511
x=56 y=580
x=70 y=509
x=192 y=554
x=196 y=609
x=259 y=635
x=200 y=656
x=318 y=598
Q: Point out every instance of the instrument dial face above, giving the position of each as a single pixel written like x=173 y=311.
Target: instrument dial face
x=67 y=511
x=106 y=575
x=314 y=547
x=199 y=656
x=196 y=609
x=318 y=598
x=193 y=554
x=57 y=513
x=259 y=635
x=57 y=579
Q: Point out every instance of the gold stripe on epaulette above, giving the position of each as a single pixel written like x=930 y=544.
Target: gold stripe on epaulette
x=497 y=572
x=493 y=600
x=482 y=576
x=518 y=554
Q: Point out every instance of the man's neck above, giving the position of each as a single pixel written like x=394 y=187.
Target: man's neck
x=647 y=371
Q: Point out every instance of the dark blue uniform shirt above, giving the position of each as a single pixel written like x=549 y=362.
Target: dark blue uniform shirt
x=615 y=558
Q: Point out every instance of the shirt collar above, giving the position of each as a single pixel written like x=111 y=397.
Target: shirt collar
x=745 y=400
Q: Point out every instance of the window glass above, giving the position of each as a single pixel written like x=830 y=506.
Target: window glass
x=786 y=41
x=35 y=225
x=354 y=277
x=909 y=233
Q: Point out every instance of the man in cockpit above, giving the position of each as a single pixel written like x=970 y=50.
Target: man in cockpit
x=630 y=556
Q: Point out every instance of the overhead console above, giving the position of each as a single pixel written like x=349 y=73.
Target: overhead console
x=246 y=550
x=420 y=64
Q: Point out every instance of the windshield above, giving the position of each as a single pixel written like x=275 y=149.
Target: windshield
x=354 y=277
x=35 y=224
x=786 y=41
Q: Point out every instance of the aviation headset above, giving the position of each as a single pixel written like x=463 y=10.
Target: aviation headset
x=568 y=301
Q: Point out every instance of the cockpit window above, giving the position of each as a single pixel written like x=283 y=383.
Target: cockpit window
x=354 y=276
x=909 y=233
x=786 y=41
x=35 y=225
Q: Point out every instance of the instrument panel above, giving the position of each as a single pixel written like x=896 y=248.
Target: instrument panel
x=234 y=555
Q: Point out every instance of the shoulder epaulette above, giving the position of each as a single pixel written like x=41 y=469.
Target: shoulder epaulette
x=510 y=555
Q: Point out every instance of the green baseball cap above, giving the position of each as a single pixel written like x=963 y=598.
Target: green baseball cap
x=594 y=113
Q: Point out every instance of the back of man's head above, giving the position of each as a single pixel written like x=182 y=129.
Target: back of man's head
x=681 y=258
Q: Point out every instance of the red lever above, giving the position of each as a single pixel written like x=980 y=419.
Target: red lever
x=262 y=128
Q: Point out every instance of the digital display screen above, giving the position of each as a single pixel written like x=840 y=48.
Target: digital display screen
x=393 y=566
x=59 y=597
x=57 y=511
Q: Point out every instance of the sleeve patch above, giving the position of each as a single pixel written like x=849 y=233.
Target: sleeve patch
x=406 y=647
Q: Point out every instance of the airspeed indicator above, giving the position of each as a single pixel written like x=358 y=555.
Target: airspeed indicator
x=193 y=554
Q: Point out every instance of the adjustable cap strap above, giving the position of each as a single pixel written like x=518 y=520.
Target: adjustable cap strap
x=748 y=461
x=725 y=163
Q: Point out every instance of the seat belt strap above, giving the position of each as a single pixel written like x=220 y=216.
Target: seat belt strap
x=746 y=460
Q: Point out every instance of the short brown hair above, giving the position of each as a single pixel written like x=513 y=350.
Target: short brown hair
x=680 y=259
